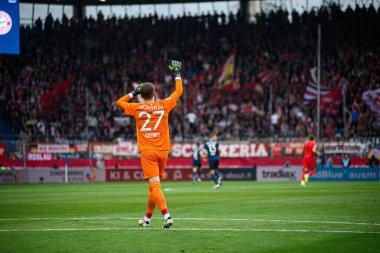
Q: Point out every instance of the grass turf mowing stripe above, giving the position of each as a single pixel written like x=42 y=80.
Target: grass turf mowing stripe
x=196 y=218
x=194 y=229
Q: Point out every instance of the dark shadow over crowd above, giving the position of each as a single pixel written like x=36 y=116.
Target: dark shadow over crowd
x=105 y=56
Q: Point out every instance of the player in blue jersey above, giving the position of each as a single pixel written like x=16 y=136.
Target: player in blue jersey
x=197 y=163
x=213 y=151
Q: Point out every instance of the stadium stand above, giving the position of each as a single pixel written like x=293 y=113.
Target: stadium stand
x=104 y=57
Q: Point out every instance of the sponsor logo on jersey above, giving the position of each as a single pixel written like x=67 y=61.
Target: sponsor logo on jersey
x=152 y=135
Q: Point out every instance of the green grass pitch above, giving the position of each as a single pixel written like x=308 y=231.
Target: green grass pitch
x=239 y=217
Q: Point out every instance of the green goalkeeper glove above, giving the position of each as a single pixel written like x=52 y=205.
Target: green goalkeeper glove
x=137 y=91
x=175 y=67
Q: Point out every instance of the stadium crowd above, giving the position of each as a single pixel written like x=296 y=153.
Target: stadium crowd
x=104 y=57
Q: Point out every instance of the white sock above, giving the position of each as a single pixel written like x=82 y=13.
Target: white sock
x=146 y=219
x=166 y=216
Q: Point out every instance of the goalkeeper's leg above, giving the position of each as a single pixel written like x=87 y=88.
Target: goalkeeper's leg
x=149 y=212
x=159 y=199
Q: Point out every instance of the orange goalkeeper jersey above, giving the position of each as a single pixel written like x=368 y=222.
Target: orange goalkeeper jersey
x=152 y=120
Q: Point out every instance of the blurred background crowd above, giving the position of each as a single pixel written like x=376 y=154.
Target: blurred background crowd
x=102 y=59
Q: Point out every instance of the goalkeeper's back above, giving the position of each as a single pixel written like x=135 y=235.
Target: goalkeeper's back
x=152 y=118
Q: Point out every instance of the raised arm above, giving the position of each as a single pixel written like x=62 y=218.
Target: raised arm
x=178 y=88
x=175 y=67
x=122 y=102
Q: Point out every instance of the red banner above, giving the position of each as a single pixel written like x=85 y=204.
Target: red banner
x=3 y=149
x=52 y=100
x=268 y=76
x=227 y=149
x=331 y=101
x=242 y=150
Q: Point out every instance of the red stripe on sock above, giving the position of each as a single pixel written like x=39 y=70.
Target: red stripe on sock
x=148 y=215
x=164 y=211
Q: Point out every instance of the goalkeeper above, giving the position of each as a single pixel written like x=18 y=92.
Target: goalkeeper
x=152 y=127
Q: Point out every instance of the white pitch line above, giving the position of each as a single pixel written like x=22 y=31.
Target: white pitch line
x=322 y=222
x=197 y=218
x=289 y=221
x=193 y=229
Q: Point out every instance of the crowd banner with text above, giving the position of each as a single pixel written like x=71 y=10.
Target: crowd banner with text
x=57 y=151
x=185 y=149
x=9 y=27
x=230 y=150
x=53 y=148
x=293 y=148
x=345 y=148
x=39 y=157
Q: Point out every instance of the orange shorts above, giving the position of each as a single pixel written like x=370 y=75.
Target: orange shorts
x=153 y=163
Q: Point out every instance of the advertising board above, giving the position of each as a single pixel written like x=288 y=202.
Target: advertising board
x=123 y=175
x=75 y=175
x=280 y=173
x=346 y=174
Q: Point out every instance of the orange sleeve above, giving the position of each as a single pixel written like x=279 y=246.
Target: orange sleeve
x=129 y=108
x=173 y=98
